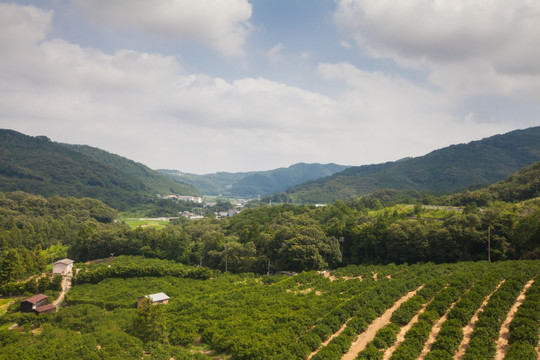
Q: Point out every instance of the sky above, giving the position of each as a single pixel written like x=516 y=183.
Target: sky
x=203 y=86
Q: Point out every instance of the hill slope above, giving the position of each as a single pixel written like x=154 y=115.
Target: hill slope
x=452 y=168
x=251 y=184
x=40 y=166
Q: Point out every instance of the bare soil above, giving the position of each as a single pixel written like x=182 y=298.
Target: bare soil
x=504 y=334
x=331 y=277
x=434 y=332
x=324 y=343
x=368 y=335
x=66 y=285
x=469 y=328
x=402 y=332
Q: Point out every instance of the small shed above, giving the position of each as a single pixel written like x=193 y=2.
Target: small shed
x=158 y=298
x=33 y=302
x=63 y=266
x=49 y=308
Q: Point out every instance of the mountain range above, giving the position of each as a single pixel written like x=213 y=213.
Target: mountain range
x=38 y=165
x=449 y=169
x=254 y=183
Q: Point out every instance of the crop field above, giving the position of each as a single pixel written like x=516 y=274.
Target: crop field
x=466 y=311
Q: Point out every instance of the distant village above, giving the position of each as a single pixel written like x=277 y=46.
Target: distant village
x=197 y=213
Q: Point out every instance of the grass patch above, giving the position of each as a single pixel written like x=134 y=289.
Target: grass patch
x=151 y=223
x=4 y=304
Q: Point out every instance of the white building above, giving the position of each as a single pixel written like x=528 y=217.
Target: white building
x=158 y=298
x=63 y=266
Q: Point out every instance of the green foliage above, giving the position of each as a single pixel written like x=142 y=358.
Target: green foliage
x=150 y=323
x=386 y=336
x=243 y=317
x=40 y=166
x=521 y=351
x=371 y=352
x=407 y=310
x=448 y=169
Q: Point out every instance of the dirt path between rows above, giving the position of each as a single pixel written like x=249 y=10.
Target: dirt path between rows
x=469 y=328
x=66 y=285
x=377 y=324
x=403 y=332
x=324 y=343
x=434 y=332
x=504 y=334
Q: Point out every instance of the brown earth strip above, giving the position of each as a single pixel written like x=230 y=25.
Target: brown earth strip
x=504 y=334
x=469 y=328
x=402 y=333
x=324 y=343
x=434 y=332
x=377 y=324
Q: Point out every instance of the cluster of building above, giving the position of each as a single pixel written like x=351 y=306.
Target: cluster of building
x=39 y=303
x=195 y=199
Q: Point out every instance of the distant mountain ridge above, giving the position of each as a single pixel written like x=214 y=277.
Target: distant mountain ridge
x=448 y=169
x=252 y=184
x=38 y=165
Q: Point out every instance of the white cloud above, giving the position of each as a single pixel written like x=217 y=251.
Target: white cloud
x=22 y=25
x=345 y=44
x=148 y=108
x=493 y=41
x=222 y=24
x=275 y=53
x=388 y=114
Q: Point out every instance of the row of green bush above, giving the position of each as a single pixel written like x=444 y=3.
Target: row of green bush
x=376 y=305
x=97 y=274
x=451 y=333
x=32 y=286
x=487 y=329
x=525 y=326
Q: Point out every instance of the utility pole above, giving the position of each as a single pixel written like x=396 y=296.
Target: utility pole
x=226 y=256
x=489 y=243
x=341 y=240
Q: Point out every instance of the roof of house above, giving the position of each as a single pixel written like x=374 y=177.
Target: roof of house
x=45 y=308
x=64 y=261
x=158 y=297
x=35 y=299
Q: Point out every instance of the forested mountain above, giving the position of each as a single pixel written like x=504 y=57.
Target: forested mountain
x=38 y=165
x=449 y=169
x=254 y=183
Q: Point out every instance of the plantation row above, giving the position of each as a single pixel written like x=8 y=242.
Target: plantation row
x=524 y=328
x=386 y=336
x=247 y=316
x=458 y=301
x=268 y=331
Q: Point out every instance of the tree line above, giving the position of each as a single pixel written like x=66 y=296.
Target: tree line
x=271 y=238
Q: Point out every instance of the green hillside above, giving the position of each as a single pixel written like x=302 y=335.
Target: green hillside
x=251 y=184
x=445 y=170
x=520 y=186
x=38 y=165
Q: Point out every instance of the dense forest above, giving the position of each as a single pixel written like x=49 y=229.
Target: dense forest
x=38 y=165
x=448 y=169
x=266 y=238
